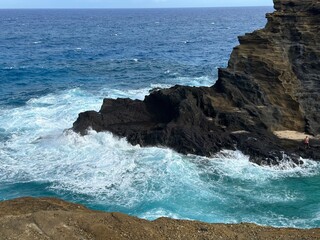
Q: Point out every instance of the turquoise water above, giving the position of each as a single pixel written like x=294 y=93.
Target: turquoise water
x=58 y=63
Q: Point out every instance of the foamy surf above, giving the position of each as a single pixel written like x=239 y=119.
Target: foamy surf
x=105 y=172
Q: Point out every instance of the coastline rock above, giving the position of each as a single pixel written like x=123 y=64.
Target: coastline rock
x=272 y=83
x=48 y=218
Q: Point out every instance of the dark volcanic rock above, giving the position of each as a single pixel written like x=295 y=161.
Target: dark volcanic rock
x=272 y=83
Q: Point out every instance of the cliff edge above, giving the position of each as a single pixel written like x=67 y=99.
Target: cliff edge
x=48 y=218
x=271 y=84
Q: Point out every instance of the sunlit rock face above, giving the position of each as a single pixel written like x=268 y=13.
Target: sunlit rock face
x=278 y=68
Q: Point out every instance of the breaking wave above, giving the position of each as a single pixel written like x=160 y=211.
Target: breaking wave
x=40 y=157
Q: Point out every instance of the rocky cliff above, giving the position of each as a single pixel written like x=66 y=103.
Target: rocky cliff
x=47 y=218
x=272 y=83
x=277 y=69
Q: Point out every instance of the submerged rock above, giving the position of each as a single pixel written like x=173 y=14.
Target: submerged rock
x=272 y=83
x=48 y=218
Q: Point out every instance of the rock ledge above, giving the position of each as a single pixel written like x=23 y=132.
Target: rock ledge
x=48 y=218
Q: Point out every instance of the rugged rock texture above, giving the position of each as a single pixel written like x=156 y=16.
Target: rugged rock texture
x=47 y=218
x=272 y=83
x=277 y=69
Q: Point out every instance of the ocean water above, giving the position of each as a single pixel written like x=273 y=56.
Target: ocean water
x=57 y=63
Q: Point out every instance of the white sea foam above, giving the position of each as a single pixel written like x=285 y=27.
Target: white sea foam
x=8 y=68
x=155 y=213
x=114 y=173
x=131 y=93
x=194 y=81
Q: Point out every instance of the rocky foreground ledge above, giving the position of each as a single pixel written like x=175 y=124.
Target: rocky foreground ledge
x=48 y=218
x=271 y=84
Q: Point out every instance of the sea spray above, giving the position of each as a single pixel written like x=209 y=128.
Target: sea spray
x=103 y=171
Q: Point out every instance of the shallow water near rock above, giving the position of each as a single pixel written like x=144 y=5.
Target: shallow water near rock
x=48 y=76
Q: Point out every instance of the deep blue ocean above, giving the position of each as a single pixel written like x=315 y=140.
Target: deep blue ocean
x=57 y=63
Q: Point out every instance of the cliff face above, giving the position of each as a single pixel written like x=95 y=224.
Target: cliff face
x=272 y=83
x=47 y=218
x=277 y=69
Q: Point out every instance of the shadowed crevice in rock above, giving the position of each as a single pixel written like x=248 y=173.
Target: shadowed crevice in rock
x=271 y=83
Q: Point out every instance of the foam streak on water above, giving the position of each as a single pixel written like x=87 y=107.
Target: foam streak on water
x=39 y=157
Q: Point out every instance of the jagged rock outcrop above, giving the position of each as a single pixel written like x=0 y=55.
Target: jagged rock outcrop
x=277 y=69
x=48 y=218
x=272 y=83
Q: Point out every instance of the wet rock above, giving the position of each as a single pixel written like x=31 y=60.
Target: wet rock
x=272 y=83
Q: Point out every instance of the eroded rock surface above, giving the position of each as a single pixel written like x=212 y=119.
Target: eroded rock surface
x=272 y=83
x=48 y=218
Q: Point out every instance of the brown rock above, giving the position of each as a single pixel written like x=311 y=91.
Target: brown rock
x=48 y=218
